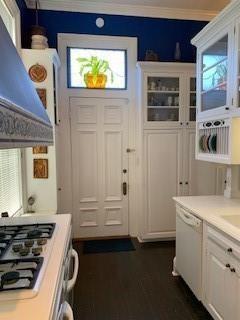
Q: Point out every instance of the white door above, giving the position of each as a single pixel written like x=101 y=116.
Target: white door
x=99 y=135
x=162 y=181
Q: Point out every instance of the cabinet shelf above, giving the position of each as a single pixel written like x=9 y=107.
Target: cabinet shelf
x=161 y=91
x=163 y=107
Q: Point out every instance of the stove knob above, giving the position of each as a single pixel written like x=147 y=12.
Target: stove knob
x=24 y=251
x=42 y=241
x=29 y=243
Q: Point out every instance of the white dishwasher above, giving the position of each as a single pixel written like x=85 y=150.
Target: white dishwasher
x=189 y=249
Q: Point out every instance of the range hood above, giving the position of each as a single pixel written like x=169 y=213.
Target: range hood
x=23 y=119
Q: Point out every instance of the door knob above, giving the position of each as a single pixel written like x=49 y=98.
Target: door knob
x=130 y=150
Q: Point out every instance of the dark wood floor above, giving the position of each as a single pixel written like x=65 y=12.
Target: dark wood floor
x=134 y=285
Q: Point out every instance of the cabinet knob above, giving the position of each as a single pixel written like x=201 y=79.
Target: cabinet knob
x=186 y=182
x=180 y=183
x=187 y=123
x=181 y=123
x=227 y=265
x=227 y=108
x=229 y=250
x=233 y=270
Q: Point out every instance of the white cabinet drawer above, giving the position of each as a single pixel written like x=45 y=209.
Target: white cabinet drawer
x=231 y=247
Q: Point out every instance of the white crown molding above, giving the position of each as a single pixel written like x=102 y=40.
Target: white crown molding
x=126 y=10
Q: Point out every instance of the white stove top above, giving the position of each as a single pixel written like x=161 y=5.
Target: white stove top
x=24 y=254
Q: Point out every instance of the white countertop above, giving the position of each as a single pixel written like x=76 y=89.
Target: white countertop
x=211 y=208
x=40 y=307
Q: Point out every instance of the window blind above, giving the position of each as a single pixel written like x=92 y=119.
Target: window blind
x=10 y=181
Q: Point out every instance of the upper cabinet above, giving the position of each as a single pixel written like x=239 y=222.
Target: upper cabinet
x=168 y=94
x=218 y=88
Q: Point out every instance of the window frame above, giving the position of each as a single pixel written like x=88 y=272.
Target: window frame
x=14 y=11
x=69 y=86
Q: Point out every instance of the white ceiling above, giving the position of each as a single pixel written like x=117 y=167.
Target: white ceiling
x=179 y=9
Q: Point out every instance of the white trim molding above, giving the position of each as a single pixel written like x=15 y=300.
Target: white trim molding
x=15 y=13
x=123 y=9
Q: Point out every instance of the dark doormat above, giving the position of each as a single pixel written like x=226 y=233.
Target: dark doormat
x=112 y=245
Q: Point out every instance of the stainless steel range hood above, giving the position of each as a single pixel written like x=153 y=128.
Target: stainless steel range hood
x=23 y=119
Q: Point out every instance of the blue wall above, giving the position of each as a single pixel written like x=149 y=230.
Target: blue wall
x=159 y=35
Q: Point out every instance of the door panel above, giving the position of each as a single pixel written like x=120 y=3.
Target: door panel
x=216 y=281
x=87 y=166
x=162 y=177
x=99 y=134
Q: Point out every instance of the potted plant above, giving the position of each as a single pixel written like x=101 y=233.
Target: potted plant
x=94 y=71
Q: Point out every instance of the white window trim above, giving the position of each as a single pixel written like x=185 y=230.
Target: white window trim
x=15 y=13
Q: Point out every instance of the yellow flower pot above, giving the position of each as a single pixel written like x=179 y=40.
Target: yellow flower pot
x=95 y=81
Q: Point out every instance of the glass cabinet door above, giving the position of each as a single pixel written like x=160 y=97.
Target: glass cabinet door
x=192 y=100
x=162 y=98
x=214 y=75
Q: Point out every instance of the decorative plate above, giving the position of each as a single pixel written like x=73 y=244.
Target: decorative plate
x=201 y=143
x=37 y=73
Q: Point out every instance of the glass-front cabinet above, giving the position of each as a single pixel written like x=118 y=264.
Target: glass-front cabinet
x=163 y=98
x=168 y=94
x=192 y=100
x=214 y=71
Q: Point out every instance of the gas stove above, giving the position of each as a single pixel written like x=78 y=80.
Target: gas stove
x=24 y=251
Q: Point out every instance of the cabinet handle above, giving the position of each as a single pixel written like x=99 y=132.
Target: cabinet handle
x=233 y=270
x=180 y=183
x=229 y=250
x=228 y=265
x=181 y=123
x=186 y=182
x=187 y=123
x=227 y=108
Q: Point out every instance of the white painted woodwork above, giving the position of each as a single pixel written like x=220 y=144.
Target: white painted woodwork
x=99 y=135
x=162 y=172
x=44 y=190
x=222 y=284
x=167 y=158
x=129 y=96
x=226 y=23
x=204 y=10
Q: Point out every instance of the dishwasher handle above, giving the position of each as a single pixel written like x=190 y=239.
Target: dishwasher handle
x=189 y=219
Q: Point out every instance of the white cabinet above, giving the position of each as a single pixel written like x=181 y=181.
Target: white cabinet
x=162 y=177
x=218 y=83
x=222 y=277
x=167 y=94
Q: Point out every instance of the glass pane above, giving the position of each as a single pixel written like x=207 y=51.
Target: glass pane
x=193 y=99
x=192 y=114
x=97 y=68
x=214 y=75
x=163 y=114
x=163 y=84
x=163 y=99
x=193 y=84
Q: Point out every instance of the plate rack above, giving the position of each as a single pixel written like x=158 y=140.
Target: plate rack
x=218 y=140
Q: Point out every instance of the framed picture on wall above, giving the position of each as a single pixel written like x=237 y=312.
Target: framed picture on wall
x=42 y=93
x=40 y=149
x=40 y=168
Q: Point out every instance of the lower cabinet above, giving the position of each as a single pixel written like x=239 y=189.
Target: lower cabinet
x=170 y=169
x=222 y=280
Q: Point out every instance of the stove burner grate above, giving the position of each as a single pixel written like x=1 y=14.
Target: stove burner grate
x=18 y=274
